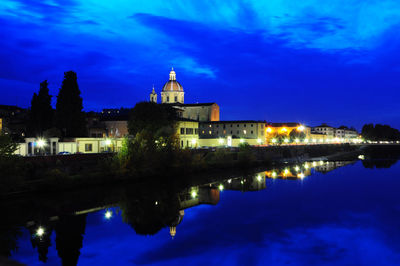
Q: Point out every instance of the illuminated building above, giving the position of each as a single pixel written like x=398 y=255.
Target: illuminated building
x=274 y=130
x=188 y=132
x=231 y=133
x=173 y=93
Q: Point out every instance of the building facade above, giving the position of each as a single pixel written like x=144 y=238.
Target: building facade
x=231 y=133
x=188 y=133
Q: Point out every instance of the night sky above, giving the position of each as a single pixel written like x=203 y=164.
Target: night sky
x=311 y=61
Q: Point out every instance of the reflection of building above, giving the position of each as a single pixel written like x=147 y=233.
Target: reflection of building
x=175 y=223
x=253 y=183
x=329 y=166
x=231 y=133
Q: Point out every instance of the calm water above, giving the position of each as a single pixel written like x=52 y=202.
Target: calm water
x=330 y=213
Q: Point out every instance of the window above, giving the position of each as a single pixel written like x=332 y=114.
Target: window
x=231 y=131
x=244 y=132
x=252 y=132
x=217 y=132
x=167 y=99
x=237 y=125
x=217 y=125
x=244 y=125
x=209 y=132
x=251 y=125
x=189 y=131
x=224 y=132
x=182 y=131
x=231 y=125
x=196 y=131
x=209 y=125
x=238 y=132
x=224 y=126
x=176 y=98
x=202 y=132
x=88 y=147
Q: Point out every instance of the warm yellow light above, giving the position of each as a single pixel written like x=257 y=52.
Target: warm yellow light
x=297 y=140
x=108 y=214
x=287 y=140
x=259 y=141
x=193 y=141
x=284 y=129
x=306 y=166
x=286 y=171
x=259 y=178
x=273 y=174
x=221 y=141
x=305 y=140
x=108 y=142
x=269 y=130
x=194 y=194
x=229 y=181
x=241 y=140
x=221 y=187
x=40 y=231
x=297 y=168
x=321 y=163
x=314 y=140
x=300 y=128
x=301 y=175
x=273 y=140
x=314 y=164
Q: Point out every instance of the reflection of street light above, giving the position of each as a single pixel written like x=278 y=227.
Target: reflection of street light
x=108 y=215
x=40 y=231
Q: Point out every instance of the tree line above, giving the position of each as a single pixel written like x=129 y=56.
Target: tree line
x=380 y=132
x=66 y=120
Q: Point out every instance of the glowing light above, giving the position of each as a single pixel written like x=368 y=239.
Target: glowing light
x=156 y=203
x=259 y=178
x=300 y=128
x=108 y=142
x=306 y=166
x=314 y=164
x=241 y=140
x=321 y=140
x=273 y=140
x=40 y=143
x=273 y=174
x=194 y=194
x=229 y=181
x=108 y=215
x=286 y=171
x=40 y=231
x=259 y=141
x=297 y=168
x=297 y=140
x=314 y=140
x=221 y=141
x=305 y=140
x=361 y=157
x=321 y=163
x=193 y=141
x=301 y=175
x=221 y=187
x=269 y=130
x=287 y=140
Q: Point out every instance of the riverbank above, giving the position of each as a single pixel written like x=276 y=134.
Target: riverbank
x=63 y=173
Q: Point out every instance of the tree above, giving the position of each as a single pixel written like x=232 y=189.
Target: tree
x=295 y=134
x=69 y=116
x=7 y=145
x=41 y=113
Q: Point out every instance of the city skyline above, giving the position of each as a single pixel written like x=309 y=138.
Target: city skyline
x=276 y=61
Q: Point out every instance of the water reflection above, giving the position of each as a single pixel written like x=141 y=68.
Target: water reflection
x=146 y=208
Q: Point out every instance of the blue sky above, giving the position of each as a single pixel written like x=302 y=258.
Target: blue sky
x=309 y=61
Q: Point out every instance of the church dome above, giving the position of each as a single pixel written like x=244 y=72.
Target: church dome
x=172 y=84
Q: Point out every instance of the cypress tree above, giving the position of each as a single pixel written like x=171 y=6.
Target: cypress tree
x=70 y=118
x=41 y=115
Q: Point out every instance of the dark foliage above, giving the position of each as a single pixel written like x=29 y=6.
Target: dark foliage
x=70 y=118
x=41 y=113
x=379 y=132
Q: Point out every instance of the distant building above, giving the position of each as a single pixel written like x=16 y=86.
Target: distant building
x=173 y=93
x=188 y=133
x=14 y=120
x=231 y=133
x=325 y=129
x=274 y=129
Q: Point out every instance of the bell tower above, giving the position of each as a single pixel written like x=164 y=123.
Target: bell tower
x=153 y=96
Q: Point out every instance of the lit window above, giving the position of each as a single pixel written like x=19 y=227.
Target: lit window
x=244 y=132
x=209 y=132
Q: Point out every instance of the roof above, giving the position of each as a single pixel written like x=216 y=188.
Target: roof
x=324 y=125
x=288 y=124
x=172 y=85
x=233 y=121
x=194 y=104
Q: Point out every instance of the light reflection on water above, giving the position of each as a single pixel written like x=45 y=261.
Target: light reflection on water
x=310 y=213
